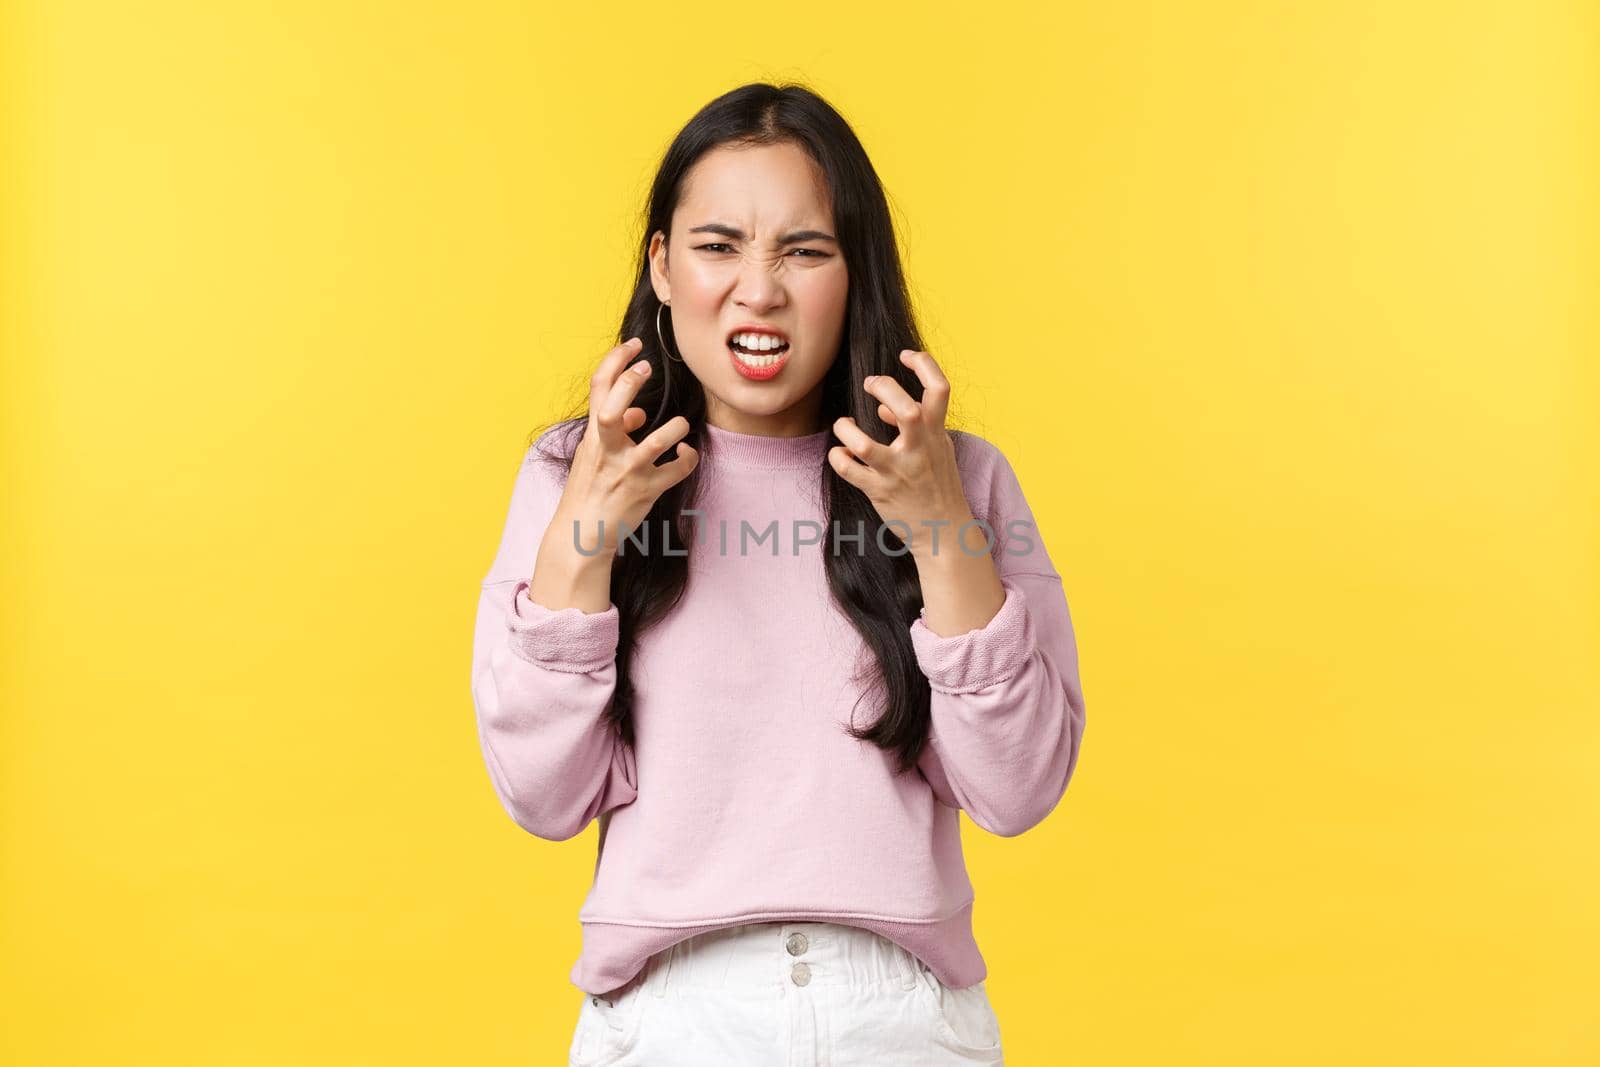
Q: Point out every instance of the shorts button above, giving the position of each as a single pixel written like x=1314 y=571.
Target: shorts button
x=801 y=973
x=796 y=944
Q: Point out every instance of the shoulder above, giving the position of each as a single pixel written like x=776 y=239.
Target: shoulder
x=985 y=470
x=548 y=458
x=995 y=495
x=541 y=477
x=973 y=445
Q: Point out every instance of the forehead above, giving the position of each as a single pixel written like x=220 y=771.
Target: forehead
x=759 y=188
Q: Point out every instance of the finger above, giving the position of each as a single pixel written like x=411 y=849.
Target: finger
x=677 y=469
x=662 y=438
x=611 y=364
x=935 y=386
x=886 y=413
x=892 y=394
x=609 y=414
x=860 y=444
x=632 y=419
x=848 y=467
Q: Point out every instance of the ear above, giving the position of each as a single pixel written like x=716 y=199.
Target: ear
x=658 y=267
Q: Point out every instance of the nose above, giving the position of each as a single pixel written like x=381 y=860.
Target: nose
x=760 y=286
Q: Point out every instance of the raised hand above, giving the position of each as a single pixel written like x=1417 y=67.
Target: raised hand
x=913 y=481
x=611 y=487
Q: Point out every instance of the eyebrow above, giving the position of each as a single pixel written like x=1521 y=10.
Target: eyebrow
x=787 y=239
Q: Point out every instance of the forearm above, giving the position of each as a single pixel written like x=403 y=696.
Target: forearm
x=565 y=577
x=961 y=589
x=1007 y=709
x=542 y=681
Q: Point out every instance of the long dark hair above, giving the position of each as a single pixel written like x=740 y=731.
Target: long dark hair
x=879 y=592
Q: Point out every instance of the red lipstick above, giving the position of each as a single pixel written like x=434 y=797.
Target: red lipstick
x=758 y=365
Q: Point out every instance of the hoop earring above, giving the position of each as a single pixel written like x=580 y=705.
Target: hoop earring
x=663 y=340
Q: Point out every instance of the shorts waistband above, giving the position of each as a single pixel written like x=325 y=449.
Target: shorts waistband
x=759 y=956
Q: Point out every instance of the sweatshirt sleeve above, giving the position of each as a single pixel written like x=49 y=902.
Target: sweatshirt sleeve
x=541 y=683
x=1007 y=704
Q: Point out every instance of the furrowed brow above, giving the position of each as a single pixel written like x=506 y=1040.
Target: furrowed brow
x=737 y=234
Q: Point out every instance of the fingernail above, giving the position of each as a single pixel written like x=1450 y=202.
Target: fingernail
x=641 y=367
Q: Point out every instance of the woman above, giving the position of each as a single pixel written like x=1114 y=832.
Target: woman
x=759 y=531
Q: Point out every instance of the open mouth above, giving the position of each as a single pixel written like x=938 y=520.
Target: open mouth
x=758 y=351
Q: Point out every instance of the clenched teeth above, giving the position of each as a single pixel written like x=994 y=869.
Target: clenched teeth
x=758 y=342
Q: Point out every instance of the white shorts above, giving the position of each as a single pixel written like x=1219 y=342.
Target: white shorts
x=786 y=994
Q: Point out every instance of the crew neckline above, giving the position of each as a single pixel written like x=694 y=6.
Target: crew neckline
x=763 y=452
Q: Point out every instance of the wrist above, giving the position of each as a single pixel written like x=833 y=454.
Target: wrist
x=564 y=577
x=941 y=542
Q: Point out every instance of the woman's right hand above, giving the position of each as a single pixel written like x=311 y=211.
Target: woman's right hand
x=612 y=484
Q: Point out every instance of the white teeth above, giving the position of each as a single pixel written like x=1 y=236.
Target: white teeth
x=754 y=361
x=759 y=342
x=763 y=349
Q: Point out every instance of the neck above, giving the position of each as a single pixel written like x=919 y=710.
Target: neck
x=732 y=448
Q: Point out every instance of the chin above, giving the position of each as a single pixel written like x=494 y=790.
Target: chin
x=752 y=398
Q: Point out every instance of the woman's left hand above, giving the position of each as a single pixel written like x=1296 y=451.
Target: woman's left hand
x=913 y=481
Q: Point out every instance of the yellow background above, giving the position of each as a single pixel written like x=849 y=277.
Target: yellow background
x=1284 y=312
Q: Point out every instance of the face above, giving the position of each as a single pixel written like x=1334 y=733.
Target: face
x=753 y=246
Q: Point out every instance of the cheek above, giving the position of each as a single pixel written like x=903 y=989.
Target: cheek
x=824 y=299
x=698 y=285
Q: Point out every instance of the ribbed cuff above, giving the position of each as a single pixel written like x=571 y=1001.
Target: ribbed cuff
x=569 y=640
x=965 y=663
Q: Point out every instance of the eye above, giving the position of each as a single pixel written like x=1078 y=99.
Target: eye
x=716 y=246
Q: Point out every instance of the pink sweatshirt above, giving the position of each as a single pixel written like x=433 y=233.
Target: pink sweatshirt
x=743 y=799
